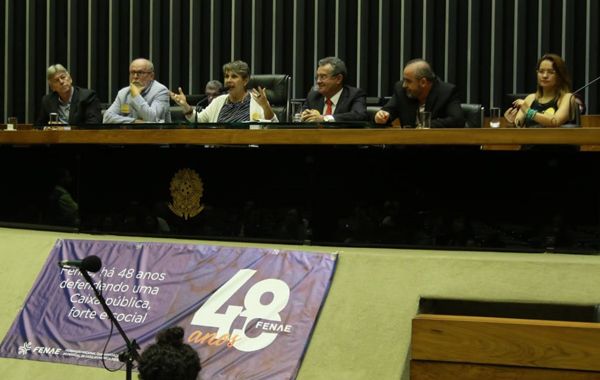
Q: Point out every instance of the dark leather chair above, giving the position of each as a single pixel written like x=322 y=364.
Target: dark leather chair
x=575 y=119
x=279 y=91
x=473 y=115
x=374 y=104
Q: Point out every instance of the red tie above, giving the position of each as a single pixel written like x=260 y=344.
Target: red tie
x=328 y=109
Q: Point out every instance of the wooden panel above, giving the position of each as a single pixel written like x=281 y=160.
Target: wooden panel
x=503 y=124
x=426 y=370
x=587 y=121
x=590 y=121
x=506 y=341
x=292 y=136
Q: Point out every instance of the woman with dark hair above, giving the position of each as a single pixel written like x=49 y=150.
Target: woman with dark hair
x=237 y=105
x=169 y=358
x=550 y=105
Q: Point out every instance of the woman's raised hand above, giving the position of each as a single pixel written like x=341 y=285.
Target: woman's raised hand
x=180 y=100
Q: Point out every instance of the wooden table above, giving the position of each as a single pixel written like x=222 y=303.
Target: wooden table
x=389 y=136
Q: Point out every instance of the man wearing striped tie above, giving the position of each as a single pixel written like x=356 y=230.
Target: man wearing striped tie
x=330 y=99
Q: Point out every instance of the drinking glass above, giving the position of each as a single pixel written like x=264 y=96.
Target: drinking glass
x=11 y=123
x=494 y=117
x=53 y=118
x=296 y=110
x=424 y=120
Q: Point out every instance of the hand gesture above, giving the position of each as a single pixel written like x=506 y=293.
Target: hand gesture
x=520 y=103
x=180 y=100
x=260 y=96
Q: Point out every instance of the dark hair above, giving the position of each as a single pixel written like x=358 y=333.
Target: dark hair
x=338 y=66
x=563 y=79
x=239 y=67
x=169 y=358
x=423 y=70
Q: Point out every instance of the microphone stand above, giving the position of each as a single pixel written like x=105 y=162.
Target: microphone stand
x=131 y=352
x=586 y=85
x=199 y=107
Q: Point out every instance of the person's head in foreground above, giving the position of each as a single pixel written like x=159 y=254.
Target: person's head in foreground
x=169 y=358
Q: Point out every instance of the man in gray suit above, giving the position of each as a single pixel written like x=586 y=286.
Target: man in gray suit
x=145 y=100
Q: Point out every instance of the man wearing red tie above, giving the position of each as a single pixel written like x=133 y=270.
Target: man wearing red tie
x=331 y=100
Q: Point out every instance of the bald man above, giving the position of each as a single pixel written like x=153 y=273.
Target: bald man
x=421 y=90
x=145 y=100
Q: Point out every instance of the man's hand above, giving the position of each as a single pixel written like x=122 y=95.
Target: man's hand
x=381 y=117
x=135 y=89
x=311 y=116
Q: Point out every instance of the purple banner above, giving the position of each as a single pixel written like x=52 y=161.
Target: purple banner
x=248 y=311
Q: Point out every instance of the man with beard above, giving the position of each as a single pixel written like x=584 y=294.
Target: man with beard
x=420 y=90
x=331 y=99
x=72 y=104
x=145 y=100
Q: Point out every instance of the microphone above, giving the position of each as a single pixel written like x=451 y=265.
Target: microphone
x=89 y=264
x=199 y=105
x=586 y=85
x=579 y=97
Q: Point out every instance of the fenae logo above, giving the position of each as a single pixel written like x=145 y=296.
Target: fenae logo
x=265 y=317
x=27 y=347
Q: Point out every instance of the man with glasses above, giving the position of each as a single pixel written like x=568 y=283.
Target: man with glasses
x=145 y=100
x=332 y=100
x=72 y=105
x=420 y=90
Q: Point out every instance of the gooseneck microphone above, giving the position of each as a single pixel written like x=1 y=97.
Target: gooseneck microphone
x=201 y=103
x=586 y=85
x=89 y=264
x=200 y=106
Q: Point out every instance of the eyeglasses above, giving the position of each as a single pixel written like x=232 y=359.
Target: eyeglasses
x=549 y=72
x=139 y=72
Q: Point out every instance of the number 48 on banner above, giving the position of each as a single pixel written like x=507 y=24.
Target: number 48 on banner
x=253 y=309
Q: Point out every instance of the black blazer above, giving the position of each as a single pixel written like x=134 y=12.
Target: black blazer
x=85 y=107
x=443 y=102
x=352 y=105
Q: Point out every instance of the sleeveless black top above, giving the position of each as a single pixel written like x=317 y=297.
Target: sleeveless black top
x=548 y=109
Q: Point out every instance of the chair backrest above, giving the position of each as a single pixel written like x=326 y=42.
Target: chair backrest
x=374 y=101
x=575 y=112
x=374 y=104
x=473 y=115
x=279 y=90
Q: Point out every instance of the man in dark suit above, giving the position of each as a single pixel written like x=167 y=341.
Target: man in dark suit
x=331 y=100
x=72 y=104
x=421 y=90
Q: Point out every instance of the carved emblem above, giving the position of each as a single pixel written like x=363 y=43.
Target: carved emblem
x=186 y=191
